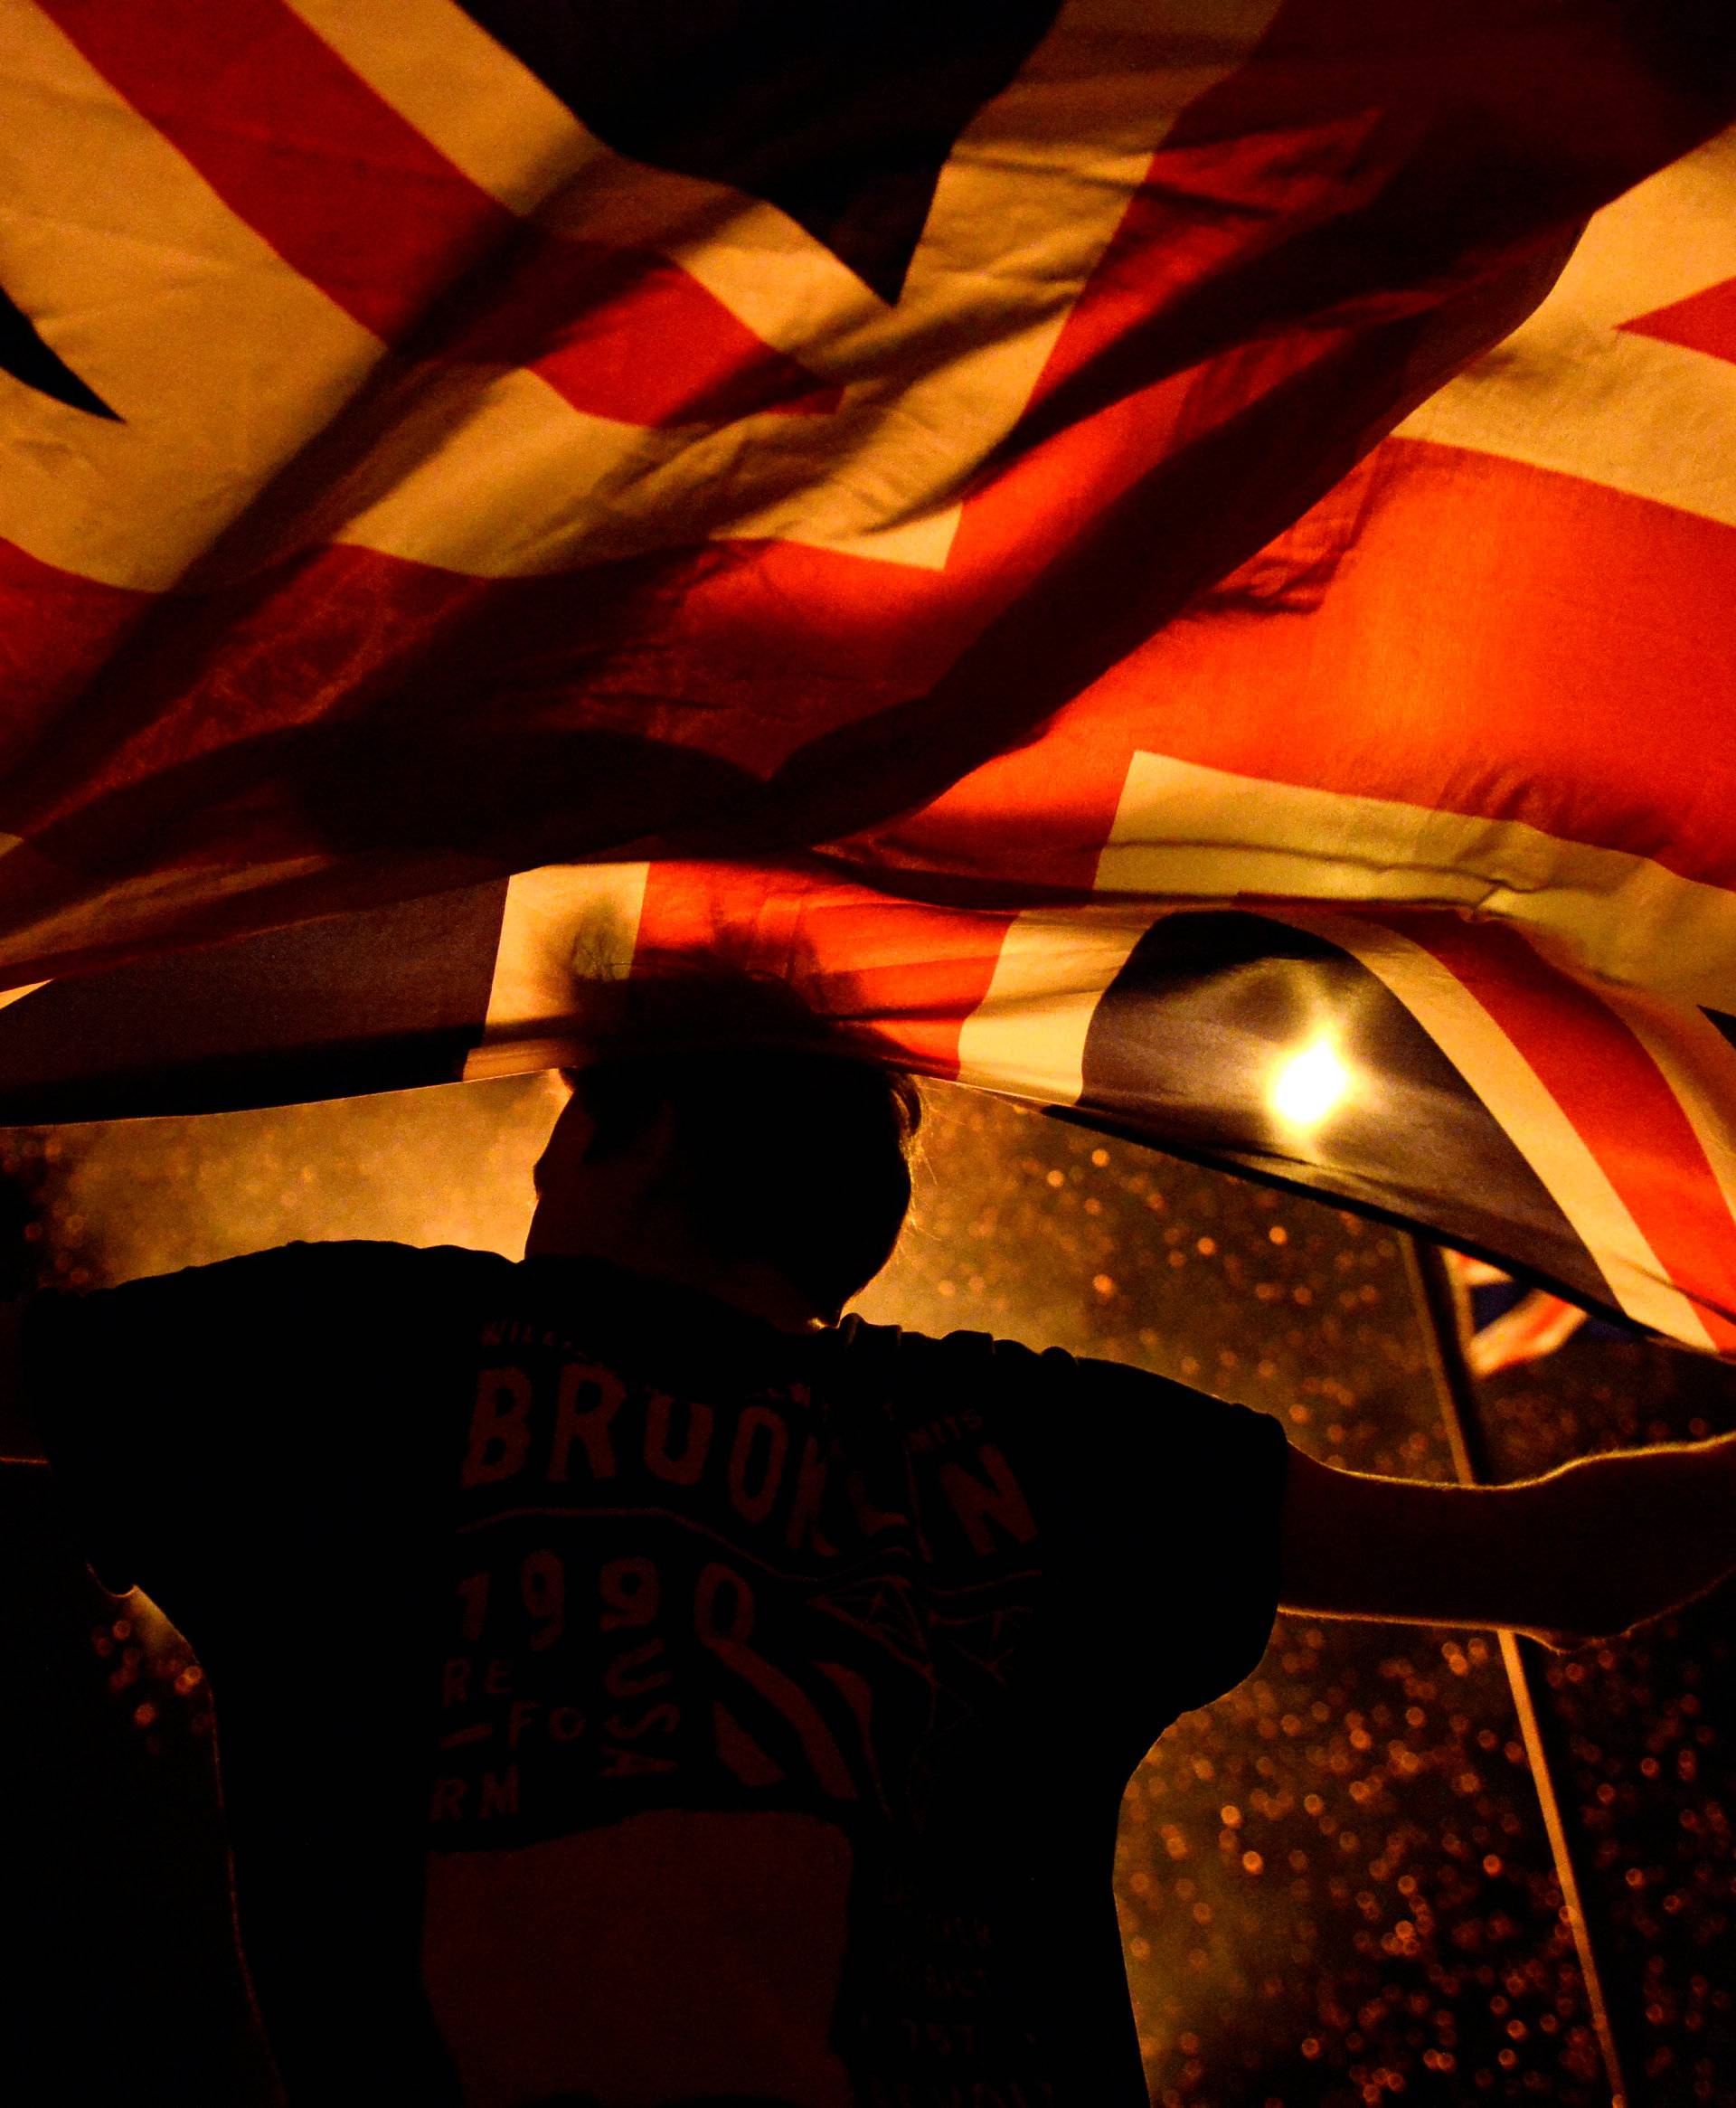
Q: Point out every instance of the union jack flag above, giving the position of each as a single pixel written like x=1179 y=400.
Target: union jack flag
x=961 y=511
x=1504 y=1325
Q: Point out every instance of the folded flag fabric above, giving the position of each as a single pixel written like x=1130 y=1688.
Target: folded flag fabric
x=437 y=441
x=957 y=661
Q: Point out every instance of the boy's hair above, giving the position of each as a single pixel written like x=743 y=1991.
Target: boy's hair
x=792 y=1145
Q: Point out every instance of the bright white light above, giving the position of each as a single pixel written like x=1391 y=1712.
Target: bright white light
x=1309 y=1084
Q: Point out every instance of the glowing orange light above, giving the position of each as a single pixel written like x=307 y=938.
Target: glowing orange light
x=1309 y=1084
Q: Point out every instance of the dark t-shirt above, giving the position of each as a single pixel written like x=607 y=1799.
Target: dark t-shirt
x=623 y=1702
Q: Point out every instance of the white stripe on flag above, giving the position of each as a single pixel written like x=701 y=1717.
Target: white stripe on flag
x=562 y=927
x=1570 y=390
x=490 y=116
x=1699 y=1065
x=1026 y=1038
x=1181 y=829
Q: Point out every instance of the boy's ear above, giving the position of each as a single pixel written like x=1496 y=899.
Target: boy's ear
x=656 y=1144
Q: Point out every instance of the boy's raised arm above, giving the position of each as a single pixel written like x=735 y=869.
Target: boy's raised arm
x=1592 y=1548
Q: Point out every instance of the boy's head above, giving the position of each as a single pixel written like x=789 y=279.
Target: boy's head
x=720 y=1105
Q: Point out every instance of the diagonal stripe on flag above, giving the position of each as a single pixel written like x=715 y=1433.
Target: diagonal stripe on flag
x=1607 y=1134
x=581 y=316
x=354 y=198
x=221 y=360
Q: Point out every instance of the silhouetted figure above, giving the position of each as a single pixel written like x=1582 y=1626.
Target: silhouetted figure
x=686 y=1697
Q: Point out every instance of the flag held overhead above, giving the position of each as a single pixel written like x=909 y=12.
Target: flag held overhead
x=941 y=547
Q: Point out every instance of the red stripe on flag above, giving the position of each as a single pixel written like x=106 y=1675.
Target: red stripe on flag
x=345 y=190
x=626 y=335
x=200 y=746
x=228 y=670
x=1447 y=630
x=1499 y=640
x=1611 y=1090
x=743 y=653
x=56 y=631
x=909 y=973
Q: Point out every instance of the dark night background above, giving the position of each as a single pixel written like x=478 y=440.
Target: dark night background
x=1336 y=1884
